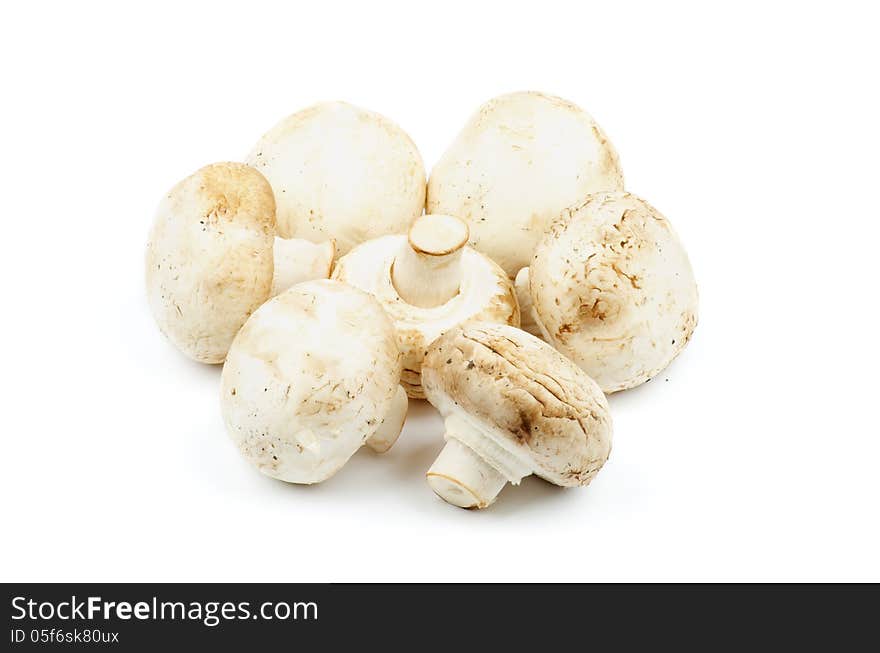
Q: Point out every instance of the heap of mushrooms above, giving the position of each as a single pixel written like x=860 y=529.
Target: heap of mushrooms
x=512 y=290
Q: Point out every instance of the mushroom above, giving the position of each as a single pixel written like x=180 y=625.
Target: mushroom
x=212 y=258
x=428 y=282
x=312 y=376
x=518 y=162
x=513 y=406
x=209 y=257
x=611 y=287
x=340 y=172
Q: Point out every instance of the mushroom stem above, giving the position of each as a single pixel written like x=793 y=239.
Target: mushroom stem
x=461 y=477
x=427 y=270
x=529 y=321
x=389 y=430
x=298 y=260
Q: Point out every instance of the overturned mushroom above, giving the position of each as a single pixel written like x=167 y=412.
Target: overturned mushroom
x=428 y=282
x=312 y=376
x=611 y=287
x=209 y=257
x=340 y=172
x=513 y=406
x=517 y=163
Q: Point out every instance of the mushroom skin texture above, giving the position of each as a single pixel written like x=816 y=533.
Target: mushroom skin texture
x=513 y=406
x=341 y=172
x=209 y=259
x=528 y=321
x=311 y=377
x=445 y=285
x=519 y=161
x=298 y=260
x=612 y=288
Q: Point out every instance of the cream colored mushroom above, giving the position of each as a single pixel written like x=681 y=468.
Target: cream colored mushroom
x=340 y=172
x=611 y=287
x=428 y=282
x=312 y=376
x=212 y=258
x=518 y=162
x=513 y=406
x=209 y=257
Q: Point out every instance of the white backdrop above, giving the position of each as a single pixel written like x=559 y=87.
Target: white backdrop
x=754 y=129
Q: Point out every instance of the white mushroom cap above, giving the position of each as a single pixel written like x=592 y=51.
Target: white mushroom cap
x=209 y=257
x=311 y=377
x=341 y=172
x=518 y=162
x=513 y=406
x=444 y=282
x=612 y=289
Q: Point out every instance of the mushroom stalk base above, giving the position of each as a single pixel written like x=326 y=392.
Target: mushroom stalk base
x=460 y=477
x=389 y=430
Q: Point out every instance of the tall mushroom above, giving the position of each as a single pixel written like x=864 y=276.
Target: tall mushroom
x=611 y=287
x=513 y=406
x=209 y=260
x=212 y=258
x=312 y=376
x=518 y=162
x=428 y=282
x=343 y=173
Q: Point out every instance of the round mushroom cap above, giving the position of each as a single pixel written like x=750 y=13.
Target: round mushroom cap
x=309 y=379
x=519 y=161
x=485 y=294
x=209 y=257
x=613 y=290
x=540 y=411
x=341 y=172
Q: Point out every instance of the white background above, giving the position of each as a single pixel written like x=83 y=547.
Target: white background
x=754 y=129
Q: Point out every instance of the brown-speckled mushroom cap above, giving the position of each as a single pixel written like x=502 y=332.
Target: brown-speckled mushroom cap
x=209 y=259
x=540 y=411
x=612 y=288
